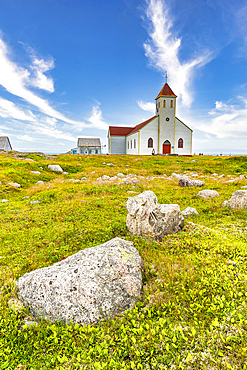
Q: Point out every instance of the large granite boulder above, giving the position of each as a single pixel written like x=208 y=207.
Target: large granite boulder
x=208 y=194
x=238 y=200
x=147 y=217
x=190 y=183
x=94 y=284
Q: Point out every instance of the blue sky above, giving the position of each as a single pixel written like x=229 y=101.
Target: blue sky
x=71 y=68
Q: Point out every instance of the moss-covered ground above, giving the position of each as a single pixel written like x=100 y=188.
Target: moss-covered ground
x=193 y=312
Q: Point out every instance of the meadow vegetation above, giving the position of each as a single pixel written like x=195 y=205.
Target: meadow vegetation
x=193 y=312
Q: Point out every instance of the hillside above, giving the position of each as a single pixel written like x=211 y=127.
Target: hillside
x=193 y=310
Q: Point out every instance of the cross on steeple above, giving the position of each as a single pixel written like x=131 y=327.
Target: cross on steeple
x=166 y=77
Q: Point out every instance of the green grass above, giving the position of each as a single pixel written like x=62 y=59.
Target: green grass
x=193 y=312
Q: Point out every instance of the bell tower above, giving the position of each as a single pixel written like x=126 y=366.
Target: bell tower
x=166 y=112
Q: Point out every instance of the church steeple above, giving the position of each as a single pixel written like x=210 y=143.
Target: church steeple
x=166 y=91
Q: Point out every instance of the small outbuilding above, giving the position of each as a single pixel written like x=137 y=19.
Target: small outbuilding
x=87 y=145
x=5 y=144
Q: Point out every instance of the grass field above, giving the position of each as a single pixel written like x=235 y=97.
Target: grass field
x=193 y=312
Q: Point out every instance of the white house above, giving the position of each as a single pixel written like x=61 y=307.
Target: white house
x=163 y=133
x=5 y=144
x=87 y=145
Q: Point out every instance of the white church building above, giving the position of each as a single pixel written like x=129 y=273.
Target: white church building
x=163 y=133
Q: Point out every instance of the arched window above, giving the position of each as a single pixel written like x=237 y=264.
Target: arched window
x=180 y=143
x=128 y=144
x=164 y=104
x=131 y=144
x=171 y=104
x=150 y=143
x=134 y=143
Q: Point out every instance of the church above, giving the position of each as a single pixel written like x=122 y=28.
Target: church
x=163 y=133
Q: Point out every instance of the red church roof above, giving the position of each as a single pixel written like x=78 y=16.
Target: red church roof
x=124 y=131
x=166 y=91
x=141 y=125
x=119 y=131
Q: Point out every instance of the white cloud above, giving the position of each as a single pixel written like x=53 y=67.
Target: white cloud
x=10 y=110
x=96 y=118
x=15 y=79
x=162 y=50
x=26 y=138
x=228 y=121
x=40 y=80
x=150 y=107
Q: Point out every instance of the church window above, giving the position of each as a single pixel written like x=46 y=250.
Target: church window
x=131 y=144
x=134 y=143
x=180 y=143
x=171 y=104
x=164 y=104
x=128 y=144
x=150 y=143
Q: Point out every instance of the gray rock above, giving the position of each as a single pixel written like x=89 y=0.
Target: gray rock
x=4 y=200
x=14 y=184
x=34 y=202
x=94 y=284
x=120 y=174
x=208 y=194
x=238 y=200
x=84 y=179
x=40 y=182
x=195 y=160
x=189 y=211
x=65 y=173
x=28 y=324
x=243 y=187
x=114 y=178
x=35 y=172
x=105 y=177
x=110 y=164
x=147 y=217
x=55 y=167
x=190 y=183
x=26 y=197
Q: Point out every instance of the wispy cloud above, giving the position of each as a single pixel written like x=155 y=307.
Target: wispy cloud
x=26 y=138
x=162 y=50
x=15 y=80
x=96 y=118
x=10 y=110
x=148 y=106
x=227 y=120
x=39 y=67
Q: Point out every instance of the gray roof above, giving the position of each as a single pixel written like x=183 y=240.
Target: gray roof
x=88 y=141
x=3 y=142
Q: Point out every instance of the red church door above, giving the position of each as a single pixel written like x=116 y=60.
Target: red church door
x=167 y=147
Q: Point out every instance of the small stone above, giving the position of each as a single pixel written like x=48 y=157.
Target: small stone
x=120 y=174
x=190 y=183
x=14 y=184
x=34 y=202
x=4 y=200
x=0 y=182
x=84 y=179
x=110 y=164
x=189 y=211
x=55 y=167
x=244 y=187
x=65 y=173
x=207 y=194
x=41 y=168
x=114 y=178
x=28 y=324
x=26 y=197
x=105 y=177
x=40 y=182
x=35 y=172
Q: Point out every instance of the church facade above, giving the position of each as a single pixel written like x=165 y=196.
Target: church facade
x=163 y=133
